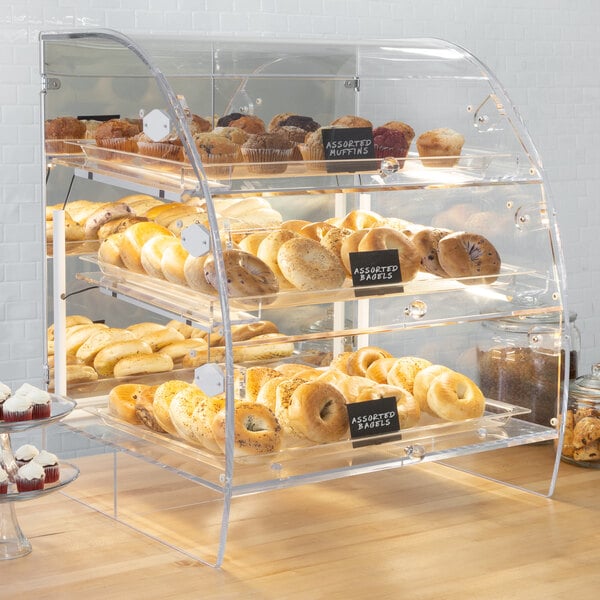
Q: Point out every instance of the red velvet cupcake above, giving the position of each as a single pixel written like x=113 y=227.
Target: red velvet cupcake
x=4 y=395
x=25 y=454
x=49 y=462
x=17 y=408
x=30 y=477
x=3 y=482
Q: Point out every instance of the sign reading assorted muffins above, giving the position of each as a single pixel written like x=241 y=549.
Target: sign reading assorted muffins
x=374 y=268
x=372 y=418
x=348 y=144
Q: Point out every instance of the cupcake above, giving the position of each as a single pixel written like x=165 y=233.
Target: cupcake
x=118 y=134
x=442 y=142
x=25 y=454
x=5 y=393
x=30 y=477
x=3 y=481
x=18 y=408
x=390 y=142
x=249 y=123
x=267 y=153
x=49 y=462
x=40 y=399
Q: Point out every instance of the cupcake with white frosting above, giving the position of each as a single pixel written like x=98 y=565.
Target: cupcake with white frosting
x=30 y=477
x=3 y=481
x=49 y=462
x=5 y=393
x=25 y=453
x=17 y=408
x=40 y=399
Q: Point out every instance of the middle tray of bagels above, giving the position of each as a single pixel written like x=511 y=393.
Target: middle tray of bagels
x=273 y=261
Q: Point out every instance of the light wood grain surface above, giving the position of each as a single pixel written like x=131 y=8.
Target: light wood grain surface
x=424 y=532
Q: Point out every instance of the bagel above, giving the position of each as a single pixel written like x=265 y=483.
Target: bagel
x=103 y=214
x=152 y=253
x=386 y=238
x=193 y=272
x=340 y=362
x=143 y=364
x=117 y=225
x=317 y=411
x=409 y=412
x=133 y=239
x=106 y=359
x=378 y=370
x=77 y=335
x=202 y=419
x=334 y=239
x=316 y=231
x=163 y=396
x=172 y=263
x=310 y=266
x=350 y=244
x=252 y=241
x=403 y=372
x=186 y=330
x=103 y=336
x=295 y=225
x=469 y=256
x=353 y=386
x=109 y=251
x=181 y=411
x=144 y=409
x=144 y=327
x=423 y=380
x=140 y=203
x=268 y=251
x=267 y=394
x=162 y=337
x=256 y=377
x=256 y=430
x=427 y=243
x=247 y=275
x=454 y=397
x=361 y=219
x=177 y=350
x=70 y=320
x=122 y=399
x=78 y=373
x=360 y=360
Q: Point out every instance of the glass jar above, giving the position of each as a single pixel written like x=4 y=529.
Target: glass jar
x=521 y=363
x=581 y=444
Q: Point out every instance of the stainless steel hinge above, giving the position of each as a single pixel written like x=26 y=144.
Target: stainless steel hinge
x=50 y=83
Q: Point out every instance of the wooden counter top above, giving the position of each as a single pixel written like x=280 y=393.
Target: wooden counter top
x=423 y=532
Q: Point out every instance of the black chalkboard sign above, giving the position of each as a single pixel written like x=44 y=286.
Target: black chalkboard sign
x=348 y=144
x=375 y=267
x=373 y=418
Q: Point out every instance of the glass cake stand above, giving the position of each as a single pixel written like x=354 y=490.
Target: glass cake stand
x=13 y=542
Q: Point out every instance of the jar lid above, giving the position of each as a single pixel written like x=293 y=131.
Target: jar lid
x=587 y=387
x=525 y=323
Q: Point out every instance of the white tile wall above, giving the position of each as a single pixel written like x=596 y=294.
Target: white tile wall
x=545 y=52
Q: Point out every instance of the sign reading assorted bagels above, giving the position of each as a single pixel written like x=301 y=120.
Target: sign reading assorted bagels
x=373 y=268
x=372 y=418
x=348 y=144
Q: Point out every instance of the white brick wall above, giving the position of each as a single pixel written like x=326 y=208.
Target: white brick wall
x=545 y=52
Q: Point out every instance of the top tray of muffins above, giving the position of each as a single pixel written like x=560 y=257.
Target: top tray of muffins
x=246 y=140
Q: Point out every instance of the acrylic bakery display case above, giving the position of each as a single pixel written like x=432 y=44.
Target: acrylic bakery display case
x=314 y=247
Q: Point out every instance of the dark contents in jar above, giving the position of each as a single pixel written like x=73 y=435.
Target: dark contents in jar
x=523 y=377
